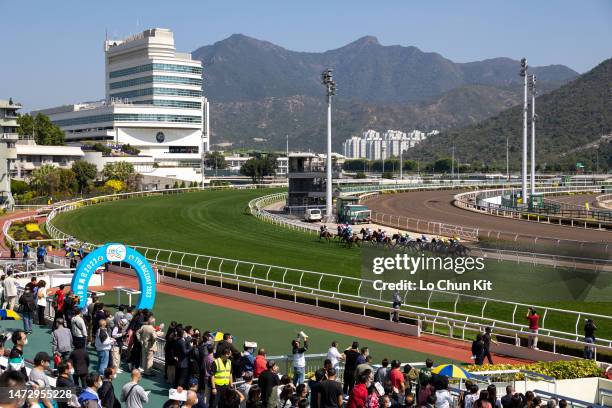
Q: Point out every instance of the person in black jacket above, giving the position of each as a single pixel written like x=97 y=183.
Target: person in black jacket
x=268 y=380
x=27 y=307
x=169 y=361
x=16 y=360
x=182 y=349
x=478 y=350
x=350 y=366
x=80 y=361
x=107 y=392
x=64 y=380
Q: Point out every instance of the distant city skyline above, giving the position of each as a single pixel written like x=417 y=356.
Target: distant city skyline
x=53 y=52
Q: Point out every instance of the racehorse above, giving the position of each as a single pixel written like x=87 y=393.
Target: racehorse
x=326 y=235
x=404 y=242
x=351 y=239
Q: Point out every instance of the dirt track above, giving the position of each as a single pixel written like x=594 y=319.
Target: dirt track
x=437 y=206
x=578 y=199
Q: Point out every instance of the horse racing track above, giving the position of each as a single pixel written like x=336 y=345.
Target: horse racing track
x=217 y=223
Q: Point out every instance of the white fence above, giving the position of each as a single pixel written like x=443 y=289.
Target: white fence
x=257 y=209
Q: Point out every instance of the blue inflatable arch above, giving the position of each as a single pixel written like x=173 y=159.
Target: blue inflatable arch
x=114 y=252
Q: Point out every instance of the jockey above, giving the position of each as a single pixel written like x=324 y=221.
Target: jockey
x=424 y=238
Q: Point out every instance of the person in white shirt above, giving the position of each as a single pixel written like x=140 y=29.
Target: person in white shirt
x=472 y=396
x=334 y=355
x=444 y=398
x=10 y=290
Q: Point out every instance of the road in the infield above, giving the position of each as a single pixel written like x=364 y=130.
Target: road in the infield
x=245 y=319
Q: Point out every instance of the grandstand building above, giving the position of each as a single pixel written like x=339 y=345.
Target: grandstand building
x=307 y=178
x=153 y=101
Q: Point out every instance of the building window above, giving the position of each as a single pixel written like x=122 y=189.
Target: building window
x=171 y=103
x=129 y=117
x=183 y=149
x=156 y=67
x=156 y=79
x=158 y=91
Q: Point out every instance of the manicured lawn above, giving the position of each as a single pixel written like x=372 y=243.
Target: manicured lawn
x=210 y=222
x=216 y=223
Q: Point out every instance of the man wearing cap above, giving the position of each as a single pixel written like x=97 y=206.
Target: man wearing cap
x=222 y=377
x=119 y=333
x=247 y=359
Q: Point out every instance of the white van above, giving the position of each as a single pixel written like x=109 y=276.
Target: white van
x=313 y=215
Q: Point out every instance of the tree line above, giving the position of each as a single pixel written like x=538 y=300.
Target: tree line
x=81 y=178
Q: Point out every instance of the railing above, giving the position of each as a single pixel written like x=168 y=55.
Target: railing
x=603 y=199
x=424 y=226
x=571 y=402
x=425 y=185
x=257 y=209
x=477 y=201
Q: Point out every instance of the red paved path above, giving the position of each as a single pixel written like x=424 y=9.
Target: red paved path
x=4 y=249
x=434 y=345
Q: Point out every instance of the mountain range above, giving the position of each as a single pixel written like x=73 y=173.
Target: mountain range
x=260 y=91
x=573 y=124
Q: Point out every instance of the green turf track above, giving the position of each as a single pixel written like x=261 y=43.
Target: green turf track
x=216 y=223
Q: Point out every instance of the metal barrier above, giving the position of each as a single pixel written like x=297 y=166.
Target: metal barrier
x=257 y=209
x=477 y=201
x=574 y=403
x=424 y=226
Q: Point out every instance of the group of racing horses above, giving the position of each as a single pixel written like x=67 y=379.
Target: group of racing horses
x=348 y=237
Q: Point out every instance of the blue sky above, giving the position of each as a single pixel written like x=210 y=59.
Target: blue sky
x=52 y=50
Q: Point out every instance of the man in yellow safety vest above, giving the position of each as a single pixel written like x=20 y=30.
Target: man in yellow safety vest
x=222 y=377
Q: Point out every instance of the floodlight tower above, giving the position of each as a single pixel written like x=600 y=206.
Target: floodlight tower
x=330 y=87
x=523 y=73
x=532 y=87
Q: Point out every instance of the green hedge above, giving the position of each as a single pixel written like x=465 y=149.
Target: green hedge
x=561 y=370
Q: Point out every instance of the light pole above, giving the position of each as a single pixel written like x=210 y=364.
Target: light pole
x=330 y=86
x=401 y=160
x=507 y=159
x=524 y=167
x=453 y=162
x=532 y=86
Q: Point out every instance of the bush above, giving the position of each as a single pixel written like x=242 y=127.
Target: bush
x=116 y=185
x=19 y=187
x=561 y=370
x=129 y=149
x=32 y=227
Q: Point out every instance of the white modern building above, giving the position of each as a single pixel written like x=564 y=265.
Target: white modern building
x=31 y=156
x=372 y=146
x=153 y=102
x=8 y=139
